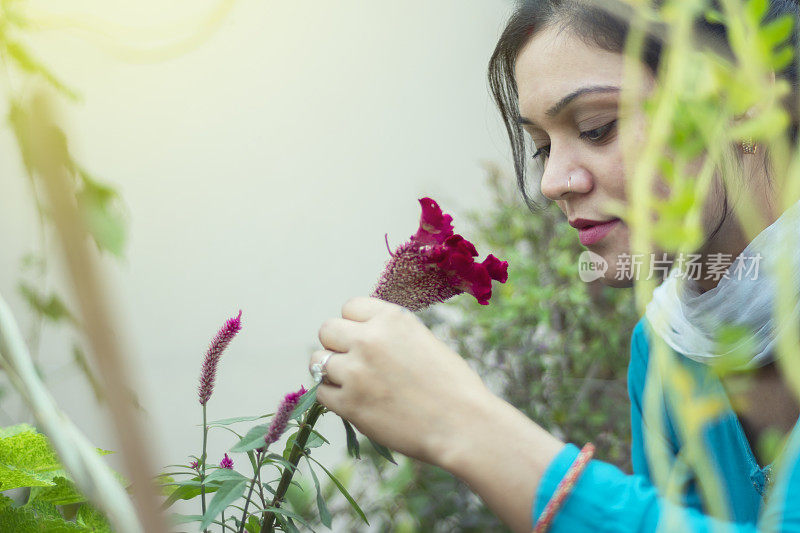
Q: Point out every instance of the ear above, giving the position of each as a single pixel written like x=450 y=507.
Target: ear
x=753 y=110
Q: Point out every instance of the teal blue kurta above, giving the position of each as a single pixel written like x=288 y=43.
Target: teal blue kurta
x=606 y=499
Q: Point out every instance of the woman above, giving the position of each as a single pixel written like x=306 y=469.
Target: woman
x=556 y=74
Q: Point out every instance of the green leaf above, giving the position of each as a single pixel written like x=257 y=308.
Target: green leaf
x=229 y=492
x=37 y=518
x=714 y=16
x=287 y=524
x=306 y=401
x=50 y=307
x=252 y=440
x=324 y=513
x=756 y=9
x=767 y=125
x=5 y=501
x=782 y=57
x=280 y=511
x=228 y=421
x=777 y=31
x=287 y=451
x=27 y=460
x=343 y=490
x=275 y=458
x=186 y=492
x=102 y=210
x=83 y=364
x=177 y=518
x=63 y=492
x=352 y=440
x=383 y=451
x=222 y=475
x=252 y=525
x=93 y=519
x=27 y=63
x=315 y=440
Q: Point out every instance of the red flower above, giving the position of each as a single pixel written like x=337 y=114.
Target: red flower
x=436 y=264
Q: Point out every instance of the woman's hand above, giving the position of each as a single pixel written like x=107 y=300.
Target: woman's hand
x=394 y=380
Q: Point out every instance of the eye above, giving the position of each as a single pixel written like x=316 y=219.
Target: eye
x=599 y=134
x=543 y=151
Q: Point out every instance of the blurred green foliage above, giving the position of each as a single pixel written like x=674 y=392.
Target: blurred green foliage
x=103 y=210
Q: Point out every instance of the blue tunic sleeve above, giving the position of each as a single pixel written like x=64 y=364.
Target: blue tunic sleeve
x=606 y=499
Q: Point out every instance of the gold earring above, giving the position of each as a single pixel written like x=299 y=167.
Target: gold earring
x=748 y=146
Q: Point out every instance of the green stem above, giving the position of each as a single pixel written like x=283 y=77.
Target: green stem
x=203 y=465
x=250 y=493
x=261 y=489
x=268 y=525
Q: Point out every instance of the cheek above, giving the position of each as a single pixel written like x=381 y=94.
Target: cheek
x=611 y=177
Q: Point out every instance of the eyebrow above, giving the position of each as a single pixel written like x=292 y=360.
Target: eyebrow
x=564 y=102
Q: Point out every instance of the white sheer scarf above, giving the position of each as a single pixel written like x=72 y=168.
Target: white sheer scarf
x=688 y=320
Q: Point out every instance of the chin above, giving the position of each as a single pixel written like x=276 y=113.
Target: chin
x=611 y=281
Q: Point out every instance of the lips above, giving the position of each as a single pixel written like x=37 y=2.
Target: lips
x=590 y=234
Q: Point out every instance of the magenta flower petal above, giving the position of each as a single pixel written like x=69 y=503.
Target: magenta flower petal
x=480 y=284
x=434 y=226
x=435 y=265
x=218 y=345
x=460 y=244
x=226 y=462
x=497 y=269
x=281 y=418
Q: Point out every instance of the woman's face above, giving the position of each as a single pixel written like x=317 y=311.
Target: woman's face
x=568 y=98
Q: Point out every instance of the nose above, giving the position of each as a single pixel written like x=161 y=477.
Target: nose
x=565 y=177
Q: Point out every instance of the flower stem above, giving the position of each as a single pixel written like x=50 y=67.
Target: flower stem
x=203 y=464
x=250 y=493
x=268 y=525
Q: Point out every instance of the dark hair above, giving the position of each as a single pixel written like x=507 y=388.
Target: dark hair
x=599 y=26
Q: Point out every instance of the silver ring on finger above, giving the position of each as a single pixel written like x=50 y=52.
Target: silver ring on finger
x=318 y=370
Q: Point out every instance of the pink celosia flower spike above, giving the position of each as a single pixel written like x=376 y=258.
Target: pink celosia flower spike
x=218 y=345
x=226 y=462
x=193 y=465
x=281 y=418
x=435 y=265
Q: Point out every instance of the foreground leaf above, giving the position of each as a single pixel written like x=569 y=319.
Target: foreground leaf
x=228 y=493
x=352 y=440
x=252 y=440
x=324 y=513
x=185 y=492
x=383 y=451
x=343 y=490
x=228 y=421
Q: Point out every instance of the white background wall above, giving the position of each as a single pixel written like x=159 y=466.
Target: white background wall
x=261 y=170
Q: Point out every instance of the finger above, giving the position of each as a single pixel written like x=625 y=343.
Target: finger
x=334 y=367
x=332 y=397
x=338 y=334
x=363 y=308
